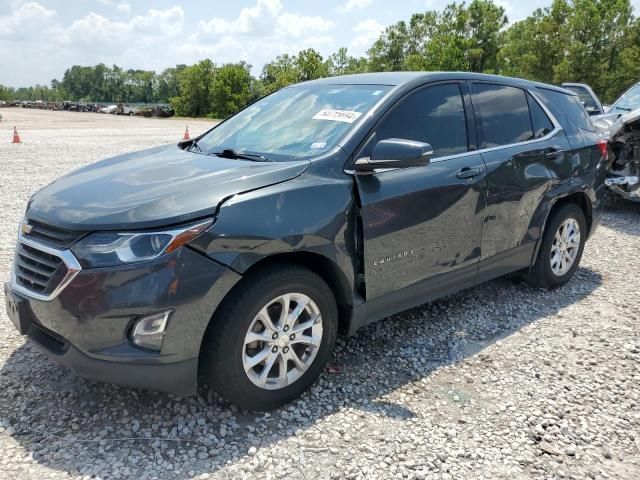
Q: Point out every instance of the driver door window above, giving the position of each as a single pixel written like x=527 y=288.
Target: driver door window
x=433 y=115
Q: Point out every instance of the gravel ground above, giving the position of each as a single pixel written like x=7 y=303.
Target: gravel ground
x=500 y=381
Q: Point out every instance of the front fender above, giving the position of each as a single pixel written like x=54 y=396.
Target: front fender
x=310 y=214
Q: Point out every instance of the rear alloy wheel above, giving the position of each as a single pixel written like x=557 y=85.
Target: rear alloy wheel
x=565 y=247
x=561 y=249
x=271 y=338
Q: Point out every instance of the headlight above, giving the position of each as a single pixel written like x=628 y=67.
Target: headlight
x=107 y=249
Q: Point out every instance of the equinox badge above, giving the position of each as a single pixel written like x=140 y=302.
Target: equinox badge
x=390 y=258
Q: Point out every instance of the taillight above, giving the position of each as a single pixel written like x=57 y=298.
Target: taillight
x=602 y=145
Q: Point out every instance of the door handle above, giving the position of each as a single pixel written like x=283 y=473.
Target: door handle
x=467 y=172
x=555 y=153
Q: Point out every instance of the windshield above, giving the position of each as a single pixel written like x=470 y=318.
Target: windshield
x=628 y=102
x=295 y=122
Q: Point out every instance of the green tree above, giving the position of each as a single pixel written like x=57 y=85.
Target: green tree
x=456 y=38
x=232 y=89
x=391 y=50
x=169 y=83
x=590 y=41
x=281 y=72
x=6 y=93
x=341 y=63
x=311 y=65
x=196 y=90
x=485 y=23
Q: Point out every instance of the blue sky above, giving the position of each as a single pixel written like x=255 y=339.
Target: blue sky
x=39 y=39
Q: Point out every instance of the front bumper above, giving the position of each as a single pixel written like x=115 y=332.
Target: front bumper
x=86 y=326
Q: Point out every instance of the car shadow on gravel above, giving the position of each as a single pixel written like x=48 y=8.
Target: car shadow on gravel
x=84 y=428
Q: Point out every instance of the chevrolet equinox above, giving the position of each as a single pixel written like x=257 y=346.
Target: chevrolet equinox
x=237 y=257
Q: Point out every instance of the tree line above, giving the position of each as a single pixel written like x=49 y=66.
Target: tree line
x=590 y=41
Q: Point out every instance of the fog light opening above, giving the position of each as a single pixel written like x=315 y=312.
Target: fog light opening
x=148 y=331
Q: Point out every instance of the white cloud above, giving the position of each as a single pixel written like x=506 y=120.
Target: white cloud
x=368 y=32
x=259 y=33
x=354 y=4
x=265 y=18
x=156 y=39
x=29 y=18
x=123 y=8
x=298 y=25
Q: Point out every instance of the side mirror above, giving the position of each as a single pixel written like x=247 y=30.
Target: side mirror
x=395 y=153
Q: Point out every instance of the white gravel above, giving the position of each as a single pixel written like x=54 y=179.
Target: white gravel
x=499 y=382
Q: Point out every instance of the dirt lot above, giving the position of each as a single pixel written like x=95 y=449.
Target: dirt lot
x=498 y=382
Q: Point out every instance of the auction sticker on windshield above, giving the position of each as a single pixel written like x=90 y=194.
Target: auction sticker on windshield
x=347 y=116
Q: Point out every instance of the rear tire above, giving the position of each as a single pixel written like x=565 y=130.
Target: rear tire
x=295 y=356
x=561 y=249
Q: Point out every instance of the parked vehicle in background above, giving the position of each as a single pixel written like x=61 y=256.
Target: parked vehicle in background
x=325 y=206
x=628 y=101
x=124 y=109
x=109 y=109
x=587 y=96
x=161 y=111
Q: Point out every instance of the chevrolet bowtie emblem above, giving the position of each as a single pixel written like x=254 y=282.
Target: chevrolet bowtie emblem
x=26 y=228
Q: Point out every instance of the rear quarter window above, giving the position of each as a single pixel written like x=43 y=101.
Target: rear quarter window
x=542 y=125
x=570 y=107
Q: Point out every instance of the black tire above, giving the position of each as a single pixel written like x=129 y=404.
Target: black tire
x=223 y=346
x=541 y=274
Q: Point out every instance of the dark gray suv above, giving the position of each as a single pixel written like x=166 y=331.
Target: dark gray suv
x=237 y=258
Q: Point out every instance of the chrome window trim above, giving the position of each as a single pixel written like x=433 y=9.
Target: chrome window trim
x=67 y=257
x=557 y=129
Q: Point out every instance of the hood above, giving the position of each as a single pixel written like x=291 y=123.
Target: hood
x=152 y=188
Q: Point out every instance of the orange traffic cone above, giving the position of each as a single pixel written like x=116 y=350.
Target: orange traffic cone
x=186 y=134
x=16 y=137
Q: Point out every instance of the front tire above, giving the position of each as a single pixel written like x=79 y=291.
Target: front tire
x=271 y=338
x=561 y=250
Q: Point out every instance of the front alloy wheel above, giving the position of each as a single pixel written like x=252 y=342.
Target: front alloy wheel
x=271 y=337
x=282 y=341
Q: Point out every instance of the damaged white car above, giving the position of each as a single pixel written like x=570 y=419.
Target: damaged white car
x=623 y=133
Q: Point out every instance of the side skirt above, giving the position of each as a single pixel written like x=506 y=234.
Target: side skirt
x=366 y=312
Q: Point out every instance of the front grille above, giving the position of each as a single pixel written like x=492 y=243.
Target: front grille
x=54 y=236
x=38 y=271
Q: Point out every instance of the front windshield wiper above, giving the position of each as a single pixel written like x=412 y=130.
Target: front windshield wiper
x=625 y=109
x=231 y=153
x=194 y=144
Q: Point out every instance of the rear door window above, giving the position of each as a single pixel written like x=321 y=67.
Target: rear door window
x=433 y=115
x=504 y=114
